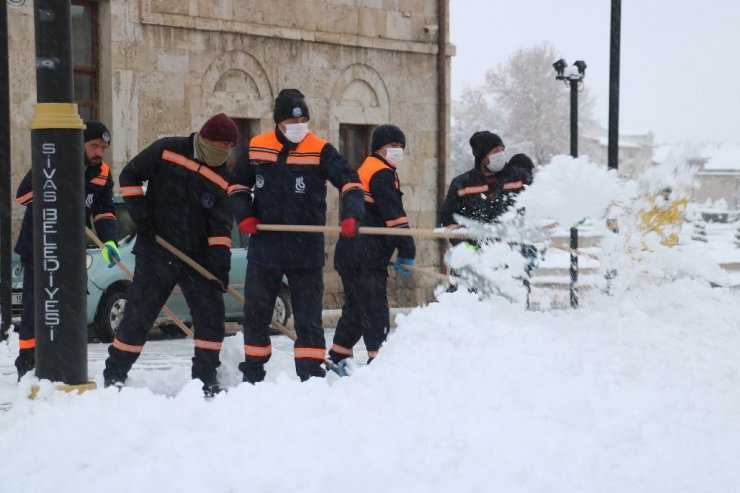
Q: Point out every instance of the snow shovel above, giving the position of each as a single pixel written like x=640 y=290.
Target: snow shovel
x=180 y=324
x=341 y=371
x=364 y=230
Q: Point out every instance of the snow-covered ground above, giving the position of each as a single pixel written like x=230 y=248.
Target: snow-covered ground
x=636 y=391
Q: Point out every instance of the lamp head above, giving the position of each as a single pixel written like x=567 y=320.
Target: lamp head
x=559 y=66
x=581 y=66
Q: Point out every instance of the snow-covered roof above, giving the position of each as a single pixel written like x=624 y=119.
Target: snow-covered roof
x=722 y=157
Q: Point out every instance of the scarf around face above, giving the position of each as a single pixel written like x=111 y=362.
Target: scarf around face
x=212 y=155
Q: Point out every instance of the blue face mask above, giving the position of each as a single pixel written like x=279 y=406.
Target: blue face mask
x=496 y=162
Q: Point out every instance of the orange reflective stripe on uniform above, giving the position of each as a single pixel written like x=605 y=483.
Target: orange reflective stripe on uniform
x=210 y=345
x=347 y=351
x=27 y=343
x=369 y=198
x=257 y=351
x=195 y=167
x=104 y=215
x=372 y=354
x=351 y=186
x=102 y=177
x=399 y=221
x=266 y=147
x=259 y=154
x=471 y=190
x=238 y=188
x=219 y=241
x=129 y=348
x=514 y=185
x=214 y=177
x=304 y=158
x=132 y=191
x=25 y=198
x=309 y=352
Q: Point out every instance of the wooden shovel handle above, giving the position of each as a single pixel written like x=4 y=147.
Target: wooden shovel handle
x=180 y=324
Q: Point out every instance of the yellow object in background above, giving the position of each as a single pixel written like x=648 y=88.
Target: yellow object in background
x=664 y=218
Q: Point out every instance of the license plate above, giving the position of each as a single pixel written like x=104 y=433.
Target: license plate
x=17 y=299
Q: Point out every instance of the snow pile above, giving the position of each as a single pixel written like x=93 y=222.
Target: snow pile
x=635 y=393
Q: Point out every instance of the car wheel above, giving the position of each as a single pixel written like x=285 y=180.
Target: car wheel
x=282 y=311
x=109 y=315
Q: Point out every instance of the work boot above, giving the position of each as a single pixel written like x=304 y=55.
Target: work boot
x=109 y=382
x=252 y=374
x=317 y=372
x=211 y=389
x=25 y=362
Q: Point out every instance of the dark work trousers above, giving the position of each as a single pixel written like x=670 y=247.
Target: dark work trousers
x=261 y=287
x=364 y=313
x=154 y=278
x=26 y=360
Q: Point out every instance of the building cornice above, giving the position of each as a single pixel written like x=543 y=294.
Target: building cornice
x=150 y=17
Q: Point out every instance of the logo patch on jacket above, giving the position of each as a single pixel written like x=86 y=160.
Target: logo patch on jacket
x=300 y=186
x=207 y=201
x=260 y=181
x=89 y=200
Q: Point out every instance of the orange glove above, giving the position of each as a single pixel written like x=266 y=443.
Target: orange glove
x=349 y=227
x=248 y=225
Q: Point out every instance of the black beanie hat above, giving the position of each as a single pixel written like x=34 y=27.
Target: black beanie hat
x=290 y=103
x=96 y=130
x=385 y=134
x=483 y=142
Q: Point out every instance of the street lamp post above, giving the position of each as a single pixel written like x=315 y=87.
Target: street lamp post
x=572 y=75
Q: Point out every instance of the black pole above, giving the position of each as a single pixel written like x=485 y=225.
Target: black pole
x=6 y=313
x=573 y=267
x=614 y=50
x=574 y=229
x=58 y=205
x=574 y=117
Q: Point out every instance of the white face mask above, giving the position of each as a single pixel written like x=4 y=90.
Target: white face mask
x=394 y=155
x=496 y=162
x=295 y=132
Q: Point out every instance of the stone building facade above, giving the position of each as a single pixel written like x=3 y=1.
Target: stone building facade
x=164 y=66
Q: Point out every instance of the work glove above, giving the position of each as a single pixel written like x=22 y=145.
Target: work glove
x=110 y=253
x=400 y=262
x=349 y=227
x=248 y=225
x=473 y=247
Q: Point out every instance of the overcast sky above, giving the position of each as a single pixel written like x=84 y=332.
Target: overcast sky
x=680 y=67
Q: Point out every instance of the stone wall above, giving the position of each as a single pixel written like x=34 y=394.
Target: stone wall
x=169 y=64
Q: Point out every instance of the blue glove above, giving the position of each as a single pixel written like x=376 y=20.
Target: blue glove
x=110 y=253
x=400 y=262
x=533 y=257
